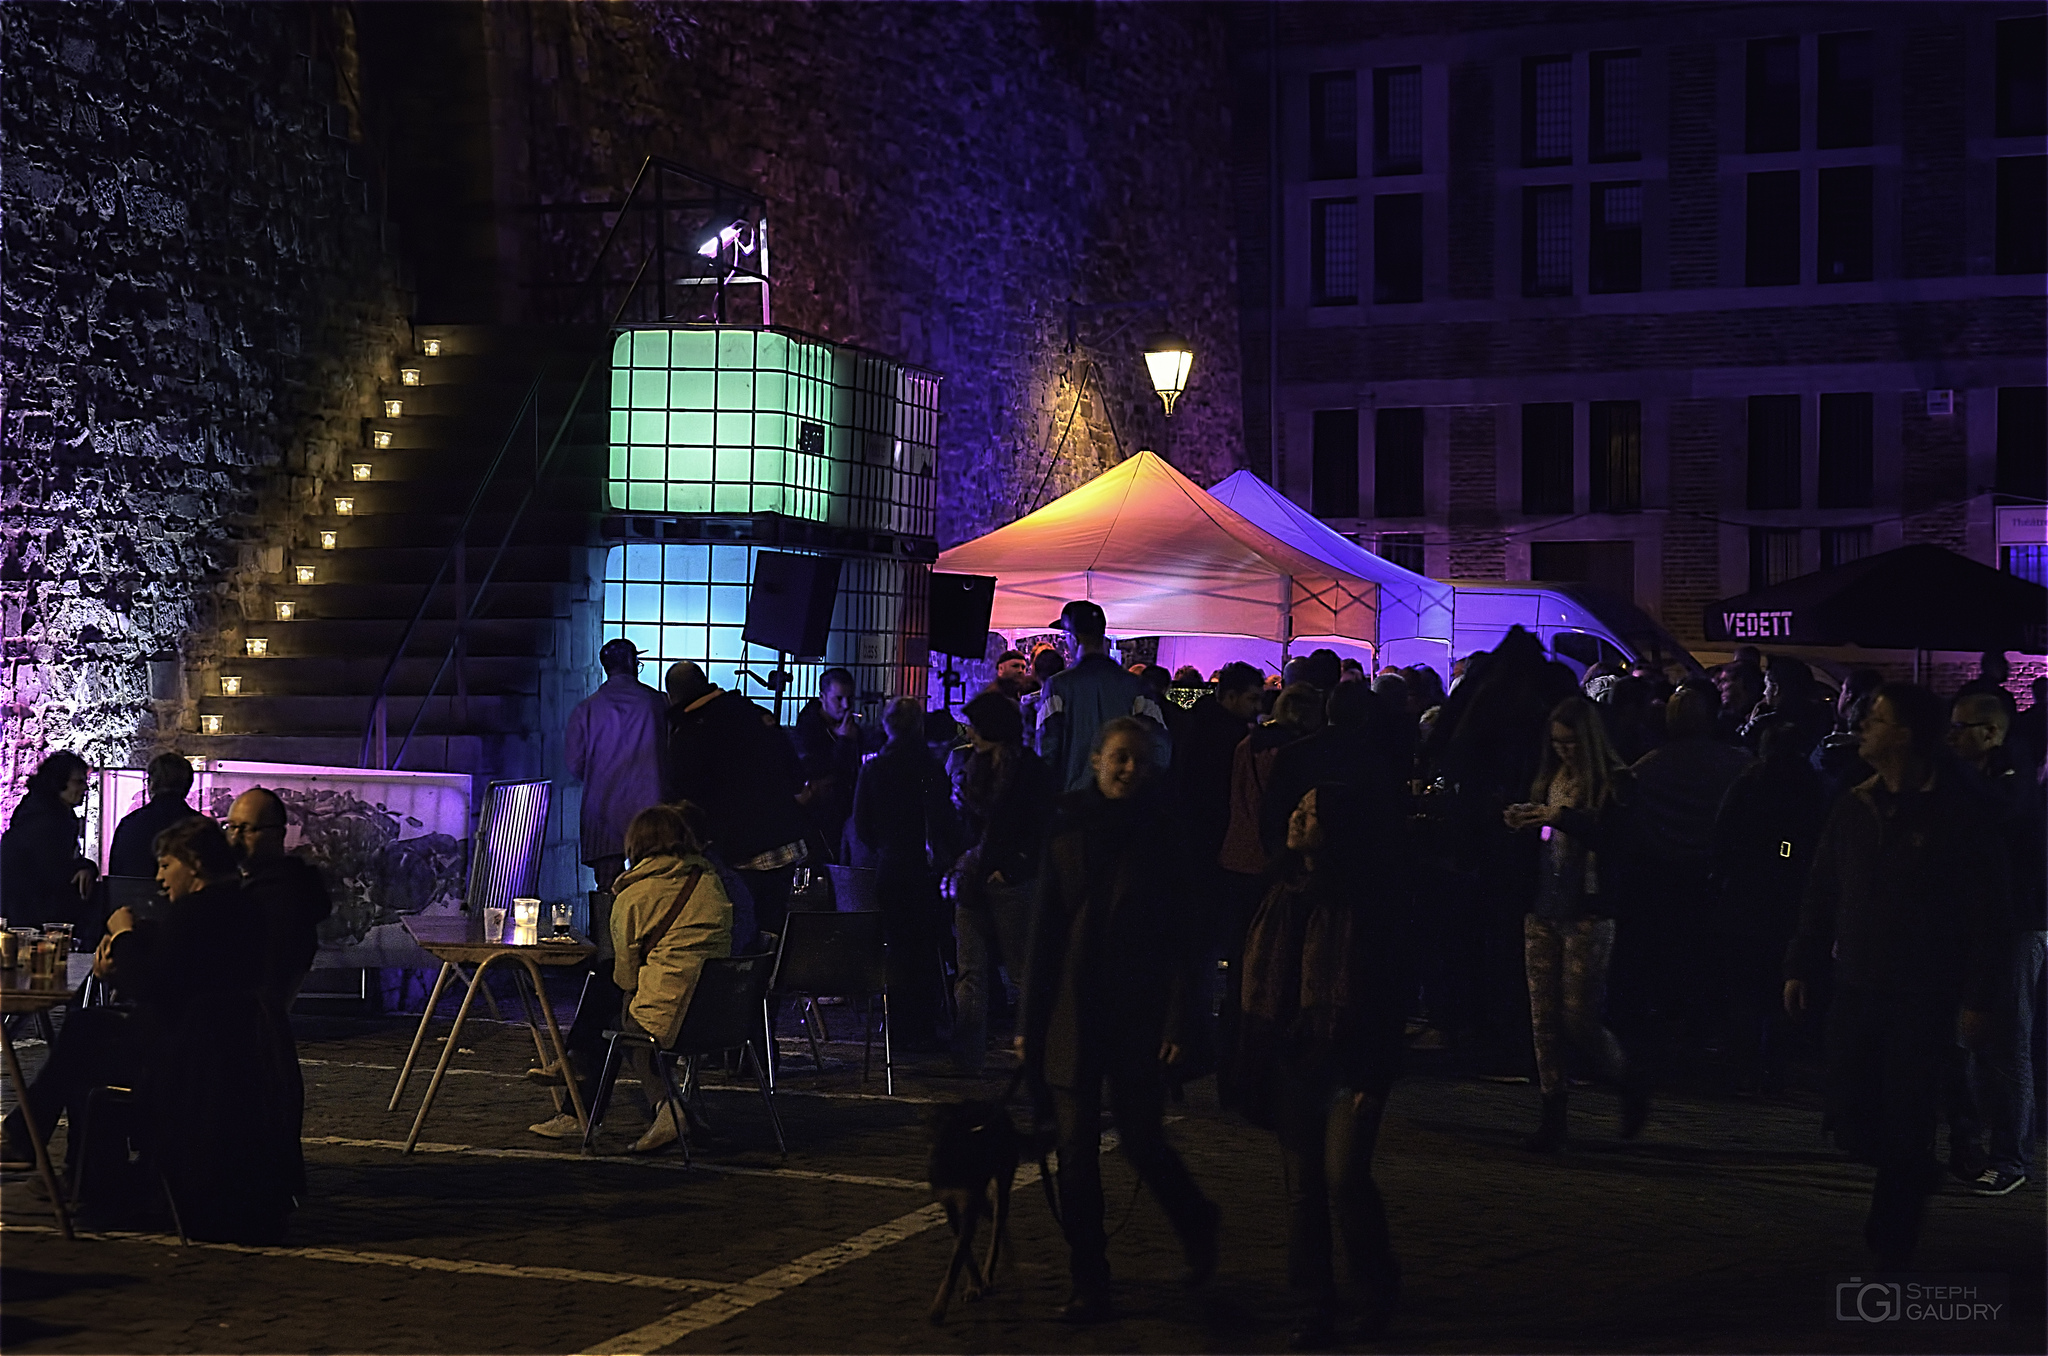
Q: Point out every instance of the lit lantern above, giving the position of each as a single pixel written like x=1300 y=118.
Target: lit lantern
x=304 y=573
x=285 y=611
x=359 y=470
x=431 y=347
x=394 y=409
x=1168 y=358
x=230 y=685
x=408 y=376
x=381 y=438
x=344 y=506
x=209 y=725
x=329 y=540
x=256 y=647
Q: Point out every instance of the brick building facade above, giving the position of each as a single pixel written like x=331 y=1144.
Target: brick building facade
x=1676 y=299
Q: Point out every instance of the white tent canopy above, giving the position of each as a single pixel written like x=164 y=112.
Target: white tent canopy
x=1414 y=610
x=1163 y=557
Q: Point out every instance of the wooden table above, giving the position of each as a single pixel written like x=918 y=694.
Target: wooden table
x=453 y=942
x=18 y=997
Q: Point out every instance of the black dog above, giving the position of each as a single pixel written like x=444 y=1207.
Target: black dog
x=975 y=1148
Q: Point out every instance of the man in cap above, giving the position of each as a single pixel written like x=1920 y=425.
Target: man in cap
x=1079 y=701
x=615 y=742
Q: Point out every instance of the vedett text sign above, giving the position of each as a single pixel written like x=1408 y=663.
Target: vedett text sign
x=1756 y=625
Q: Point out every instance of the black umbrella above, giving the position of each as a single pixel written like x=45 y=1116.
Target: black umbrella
x=1914 y=598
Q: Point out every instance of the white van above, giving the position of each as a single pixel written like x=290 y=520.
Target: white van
x=1579 y=625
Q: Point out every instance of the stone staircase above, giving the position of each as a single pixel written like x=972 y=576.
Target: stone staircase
x=306 y=697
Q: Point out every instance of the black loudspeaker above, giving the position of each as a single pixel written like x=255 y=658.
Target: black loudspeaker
x=960 y=609
x=789 y=607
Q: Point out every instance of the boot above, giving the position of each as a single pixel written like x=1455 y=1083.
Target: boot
x=1549 y=1137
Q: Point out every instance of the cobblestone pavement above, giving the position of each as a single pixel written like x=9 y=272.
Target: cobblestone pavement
x=1724 y=1229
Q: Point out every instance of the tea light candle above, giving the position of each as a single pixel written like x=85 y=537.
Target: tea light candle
x=329 y=540
x=230 y=685
x=256 y=647
x=381 y=438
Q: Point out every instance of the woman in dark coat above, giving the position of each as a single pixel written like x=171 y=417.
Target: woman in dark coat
x=1580 y=802
x=901 y=813
x=1324 y=1002
x=1113 y=992
x=44 y=878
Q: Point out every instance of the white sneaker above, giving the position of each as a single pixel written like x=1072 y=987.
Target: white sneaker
x=560 y=1126
x=661 y=1134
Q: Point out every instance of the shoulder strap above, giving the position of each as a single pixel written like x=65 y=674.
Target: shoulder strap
x=643 y=946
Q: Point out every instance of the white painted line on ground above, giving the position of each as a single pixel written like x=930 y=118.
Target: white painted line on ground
x=519 y=1075
x=403 y=1260
x=636 y=1161
x=735 y=1300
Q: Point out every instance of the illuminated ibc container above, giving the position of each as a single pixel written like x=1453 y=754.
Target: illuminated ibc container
x=230 y=685
x=408 y=376
x=329 y=540
x=344 y=505
x=394 y=409
x=431 y=347
x=286 y=611
x=360 y=470
x=209 y=725
x=303 y=573
x=748 y=421
x=381 y=439
x=256 y=647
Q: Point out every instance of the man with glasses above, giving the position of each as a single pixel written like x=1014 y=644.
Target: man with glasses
x=2001 y=1069
x=286 y=892
x=1907 y=888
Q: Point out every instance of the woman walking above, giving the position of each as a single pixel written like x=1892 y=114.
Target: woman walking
x=1580 y=803
x=1112 y=994
x=1321 y=1044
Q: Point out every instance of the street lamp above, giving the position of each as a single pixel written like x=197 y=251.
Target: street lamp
x=1168 y=357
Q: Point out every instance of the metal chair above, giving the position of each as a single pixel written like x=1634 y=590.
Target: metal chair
x=838 y=955
x=728 y=1011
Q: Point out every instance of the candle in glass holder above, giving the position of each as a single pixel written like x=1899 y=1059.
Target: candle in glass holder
x=525 y=922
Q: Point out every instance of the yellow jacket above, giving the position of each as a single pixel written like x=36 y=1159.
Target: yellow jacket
x=658 y=993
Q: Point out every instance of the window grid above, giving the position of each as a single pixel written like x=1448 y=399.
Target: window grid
x=1547 y=111
x=2022 y=79
x=1845 y=90
x=1615 y=468
x=2022 y=446
x=1547 y=241
x=1846 y=452
x=1333 y=251
x=1773 y=556
x=1771 y=105
x=1547 y=482
x=1397 y=247
x=2022 y=207
x=1617 y=114
x=678 y=601
x=1397 y=121
x=1397 y=464
x=1771 y=246
x=1333 y=490
x=1616 y=262
x=1774 y=452
x=1844 y=239
x=1409 y=550
x=1333 y=125
x=1840 y=545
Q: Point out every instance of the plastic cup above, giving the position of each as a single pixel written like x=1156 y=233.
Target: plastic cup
x=494 y=923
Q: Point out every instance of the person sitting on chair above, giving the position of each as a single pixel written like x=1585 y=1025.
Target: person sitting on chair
x=211 y=1057
x=670 y=914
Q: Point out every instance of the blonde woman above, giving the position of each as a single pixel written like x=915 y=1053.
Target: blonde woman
x=669 y=916
x=1580 y=804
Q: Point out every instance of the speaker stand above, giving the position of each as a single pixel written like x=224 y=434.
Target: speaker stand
x=776 y=682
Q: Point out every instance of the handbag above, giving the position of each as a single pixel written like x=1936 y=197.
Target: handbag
x=643 y=946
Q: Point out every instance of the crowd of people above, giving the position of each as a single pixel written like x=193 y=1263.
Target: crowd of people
x=1132 y=879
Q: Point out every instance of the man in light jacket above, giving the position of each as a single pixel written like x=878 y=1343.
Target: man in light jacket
x=614 y=748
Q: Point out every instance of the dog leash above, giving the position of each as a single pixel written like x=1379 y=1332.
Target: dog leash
x=1045 y=1168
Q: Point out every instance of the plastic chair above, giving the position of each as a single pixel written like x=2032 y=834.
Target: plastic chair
x=728 y=1011
x=838 y=955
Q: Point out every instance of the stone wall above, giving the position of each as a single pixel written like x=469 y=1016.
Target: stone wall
x=198 y=306
x=942 y=180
